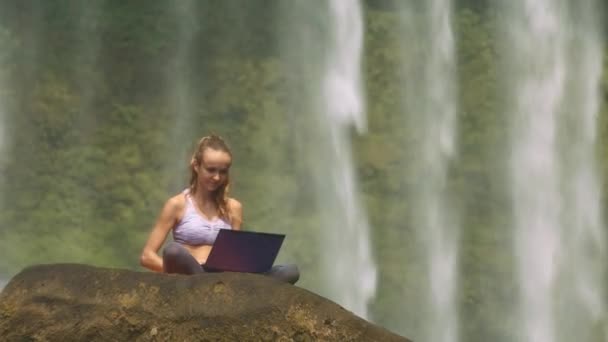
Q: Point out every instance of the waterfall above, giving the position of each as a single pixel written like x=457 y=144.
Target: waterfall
x=4 y=37
x=430 y=105
x=351 y=274
x=7 y=46
x=180 y=98
x=89 y=43
x=554 y=67
x=323 y=45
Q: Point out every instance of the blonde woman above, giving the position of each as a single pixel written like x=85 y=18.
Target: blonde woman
x=196 y=215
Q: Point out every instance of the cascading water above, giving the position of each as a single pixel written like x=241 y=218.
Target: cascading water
x=351 y=276
x=429 y=100
x=3 y=132
x=180 y=99
x=6 y=47
x=322 y=47
x=89 y=44
x=4 y=38
x=554 y=58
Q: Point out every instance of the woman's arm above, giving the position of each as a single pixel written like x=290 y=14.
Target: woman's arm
x=165 y=222
x=236 y=213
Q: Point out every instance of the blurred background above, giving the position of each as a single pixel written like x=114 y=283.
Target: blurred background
x=438 y=166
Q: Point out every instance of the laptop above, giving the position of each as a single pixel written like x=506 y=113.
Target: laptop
x=243 y=251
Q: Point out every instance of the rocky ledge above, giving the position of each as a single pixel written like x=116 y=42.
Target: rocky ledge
x=71 y=302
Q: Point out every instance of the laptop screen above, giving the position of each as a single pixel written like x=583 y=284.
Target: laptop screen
x=243 y=251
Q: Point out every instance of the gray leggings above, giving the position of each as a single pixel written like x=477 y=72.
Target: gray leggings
x=177 y=259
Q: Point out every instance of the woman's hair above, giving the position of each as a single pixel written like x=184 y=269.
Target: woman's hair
x=220 y=196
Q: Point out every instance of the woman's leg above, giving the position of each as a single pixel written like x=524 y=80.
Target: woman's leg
x=177 y=259
x=286 y=273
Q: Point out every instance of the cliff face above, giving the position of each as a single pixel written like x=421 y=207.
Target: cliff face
x=67 y=302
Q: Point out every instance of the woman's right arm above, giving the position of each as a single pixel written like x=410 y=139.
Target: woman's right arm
x=165 y=222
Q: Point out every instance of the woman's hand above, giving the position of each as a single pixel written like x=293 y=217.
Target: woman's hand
x=165 y=222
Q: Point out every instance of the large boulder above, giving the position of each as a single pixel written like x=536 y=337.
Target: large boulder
x=67 y=302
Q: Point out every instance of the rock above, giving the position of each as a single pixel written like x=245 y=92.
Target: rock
x=68 y=302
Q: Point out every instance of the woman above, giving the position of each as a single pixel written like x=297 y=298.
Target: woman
x=196 y=215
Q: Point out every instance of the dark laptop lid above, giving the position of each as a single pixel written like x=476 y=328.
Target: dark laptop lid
x=243 y=251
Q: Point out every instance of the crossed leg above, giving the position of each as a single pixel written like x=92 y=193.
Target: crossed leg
x=177 y=259
x=286 y=273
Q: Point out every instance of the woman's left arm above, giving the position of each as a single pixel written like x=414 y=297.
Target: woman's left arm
x=236 y=213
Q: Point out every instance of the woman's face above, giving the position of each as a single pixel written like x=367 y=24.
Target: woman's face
x=213 y=169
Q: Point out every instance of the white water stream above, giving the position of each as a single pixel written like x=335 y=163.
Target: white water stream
x=180 y=98
x=430 y=105
x=322 y=48
x=350 y=273
x=6 y=48
x=555 y=68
